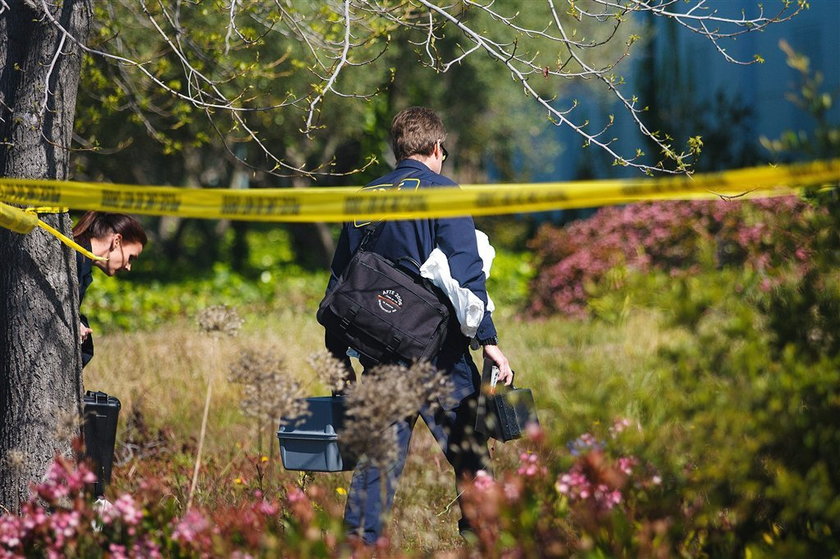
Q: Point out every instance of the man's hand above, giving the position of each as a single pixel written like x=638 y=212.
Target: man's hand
x=495 y=354
x=84 y=332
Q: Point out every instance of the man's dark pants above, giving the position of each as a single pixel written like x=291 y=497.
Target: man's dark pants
x=453 y=429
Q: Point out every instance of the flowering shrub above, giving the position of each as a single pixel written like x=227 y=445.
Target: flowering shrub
x=675 y=237
x=560 y=501
x=60 y=520
x=595 y=497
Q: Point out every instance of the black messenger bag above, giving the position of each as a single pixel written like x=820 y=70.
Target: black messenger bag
x=384 y=311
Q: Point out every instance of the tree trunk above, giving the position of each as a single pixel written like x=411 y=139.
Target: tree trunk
x=40 y=362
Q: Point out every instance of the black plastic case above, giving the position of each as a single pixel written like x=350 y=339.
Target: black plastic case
x=101 y=412
x=504 y=412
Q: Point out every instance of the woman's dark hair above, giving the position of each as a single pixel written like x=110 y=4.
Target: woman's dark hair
x=97 y=225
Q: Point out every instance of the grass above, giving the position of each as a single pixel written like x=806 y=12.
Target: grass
x=705 y=369
x=737 y=411
x=581 y=372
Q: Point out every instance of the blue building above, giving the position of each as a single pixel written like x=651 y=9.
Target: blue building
x=693 y=90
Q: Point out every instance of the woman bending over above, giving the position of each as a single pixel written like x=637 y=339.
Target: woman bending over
x=118 y=238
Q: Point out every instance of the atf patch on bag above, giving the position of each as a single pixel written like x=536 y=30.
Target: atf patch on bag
x=383 y=311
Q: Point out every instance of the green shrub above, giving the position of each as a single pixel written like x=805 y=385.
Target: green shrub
x=121 y=304
x=747 y=418
x=128 y=303
x=509 y=278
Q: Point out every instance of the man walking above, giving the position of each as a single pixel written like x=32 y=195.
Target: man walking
x=418 y=136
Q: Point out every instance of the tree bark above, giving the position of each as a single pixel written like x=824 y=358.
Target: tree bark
x=40 y=362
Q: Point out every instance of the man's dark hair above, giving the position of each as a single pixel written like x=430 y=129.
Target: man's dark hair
x=415 y=131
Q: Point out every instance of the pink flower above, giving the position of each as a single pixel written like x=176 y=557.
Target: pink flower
x=10 y=531
x=573 y=484
x=268 y=509
x=131 y=515
x=146 y=549
x=529 y=465
x=34 y=518
x=626 y=464
x=117 y=551
x=766 y=285
x=619 y=425
x=64 y=525
x=189 y=527
x=483 y=481
x=534 y=432
x=295 y=495
x=63 y=480
x=562 y=488
x=576 y=486
x=512 y=491
x=613 y=498
x=123 y=509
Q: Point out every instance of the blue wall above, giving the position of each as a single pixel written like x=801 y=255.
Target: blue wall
x=762 y=87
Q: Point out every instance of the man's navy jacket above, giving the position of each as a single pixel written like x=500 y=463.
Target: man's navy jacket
x=416 y=239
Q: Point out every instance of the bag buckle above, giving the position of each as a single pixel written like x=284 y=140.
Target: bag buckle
x=347 y=320
x=393 y=345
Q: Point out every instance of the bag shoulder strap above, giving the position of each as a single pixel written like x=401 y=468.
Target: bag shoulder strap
x=373 y=228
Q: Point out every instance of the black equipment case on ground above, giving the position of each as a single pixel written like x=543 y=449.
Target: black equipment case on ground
x=101 y=412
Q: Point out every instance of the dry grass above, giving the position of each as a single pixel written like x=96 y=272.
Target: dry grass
x=580 y=372
x=165 y=373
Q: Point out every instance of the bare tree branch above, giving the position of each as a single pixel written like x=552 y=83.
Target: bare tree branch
x=569 y=40
x=342 y=60
x=47 y=91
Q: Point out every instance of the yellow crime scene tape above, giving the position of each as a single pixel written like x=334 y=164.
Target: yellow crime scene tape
x=23 y=221
x=337 y=204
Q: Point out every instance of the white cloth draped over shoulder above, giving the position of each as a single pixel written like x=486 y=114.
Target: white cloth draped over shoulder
x=468 y=307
